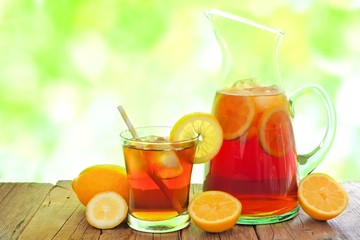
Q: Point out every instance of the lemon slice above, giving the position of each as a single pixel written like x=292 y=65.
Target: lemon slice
x=204 y=126
x=106 y=210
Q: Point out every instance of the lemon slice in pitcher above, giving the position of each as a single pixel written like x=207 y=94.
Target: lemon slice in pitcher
x=204 y=126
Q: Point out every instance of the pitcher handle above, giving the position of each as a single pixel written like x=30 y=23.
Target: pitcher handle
x=309 y=161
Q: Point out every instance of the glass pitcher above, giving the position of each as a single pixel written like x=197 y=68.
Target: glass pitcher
x=258 y=162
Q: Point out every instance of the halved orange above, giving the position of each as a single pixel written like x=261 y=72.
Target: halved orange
x=204 y=126
x=275 y=131
x=321 y=197
x=214 y=211
x=234 y=112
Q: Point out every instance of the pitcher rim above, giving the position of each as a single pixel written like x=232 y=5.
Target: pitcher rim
x=242 y=19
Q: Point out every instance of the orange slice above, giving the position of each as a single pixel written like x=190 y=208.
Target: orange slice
x=204 y=126
x=106 y=210
x=321 y=197
x=235 y=114
x=275 y=131
x=214 y=211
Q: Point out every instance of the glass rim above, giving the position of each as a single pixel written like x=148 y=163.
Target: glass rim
x=138 y=141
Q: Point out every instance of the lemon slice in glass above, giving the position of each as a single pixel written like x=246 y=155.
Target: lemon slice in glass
x=204 y=126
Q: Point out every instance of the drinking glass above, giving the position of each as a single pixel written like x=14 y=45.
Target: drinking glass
x=159 y=173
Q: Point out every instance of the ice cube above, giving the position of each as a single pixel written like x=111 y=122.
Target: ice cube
x=251 y=87
x=161 y=140
x=165 y=164
x=154 y=139
x=150 y=138
x=266 y=90
x=245 y=83
x=156 y=143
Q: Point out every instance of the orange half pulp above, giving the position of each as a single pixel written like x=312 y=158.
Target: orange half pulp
x=214 y=211
x=321 y=197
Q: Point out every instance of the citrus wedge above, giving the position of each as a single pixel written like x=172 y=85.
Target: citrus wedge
x=106 y=210
x=321 y=197
x=235 y=114
x=275 y=131
x=204 y=126
x=214 y=211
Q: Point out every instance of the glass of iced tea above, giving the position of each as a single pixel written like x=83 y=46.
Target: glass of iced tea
x=159 y=173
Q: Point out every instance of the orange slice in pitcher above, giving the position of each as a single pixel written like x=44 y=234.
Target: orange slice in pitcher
x=275 y=131
x=235 y=114
x=204 y=126
x=214 y=211
x=321 y=197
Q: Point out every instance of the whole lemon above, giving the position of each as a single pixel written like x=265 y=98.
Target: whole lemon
x=101 y=178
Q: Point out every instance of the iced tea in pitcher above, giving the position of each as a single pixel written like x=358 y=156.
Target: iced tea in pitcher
x=257 y=162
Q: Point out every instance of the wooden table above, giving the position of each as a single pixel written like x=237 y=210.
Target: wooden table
x=44 y=211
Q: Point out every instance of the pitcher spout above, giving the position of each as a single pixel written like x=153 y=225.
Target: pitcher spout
x=249 y=49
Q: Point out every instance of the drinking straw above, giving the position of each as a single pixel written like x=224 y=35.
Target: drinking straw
x=167 y=192
x=152 y=174
x=127 y=121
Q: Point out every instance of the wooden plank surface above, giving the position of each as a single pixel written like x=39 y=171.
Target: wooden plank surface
x=18 y=204
x=348 y=223
x=43 y=211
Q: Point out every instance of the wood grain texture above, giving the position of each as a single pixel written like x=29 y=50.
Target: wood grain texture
x=348 y=223
x=18 y=204
x=44 y=211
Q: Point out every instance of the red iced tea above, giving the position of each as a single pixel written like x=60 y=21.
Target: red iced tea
x=159 y=178
x=257 y=162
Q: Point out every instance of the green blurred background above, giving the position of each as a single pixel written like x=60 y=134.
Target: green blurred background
x=65 y=66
